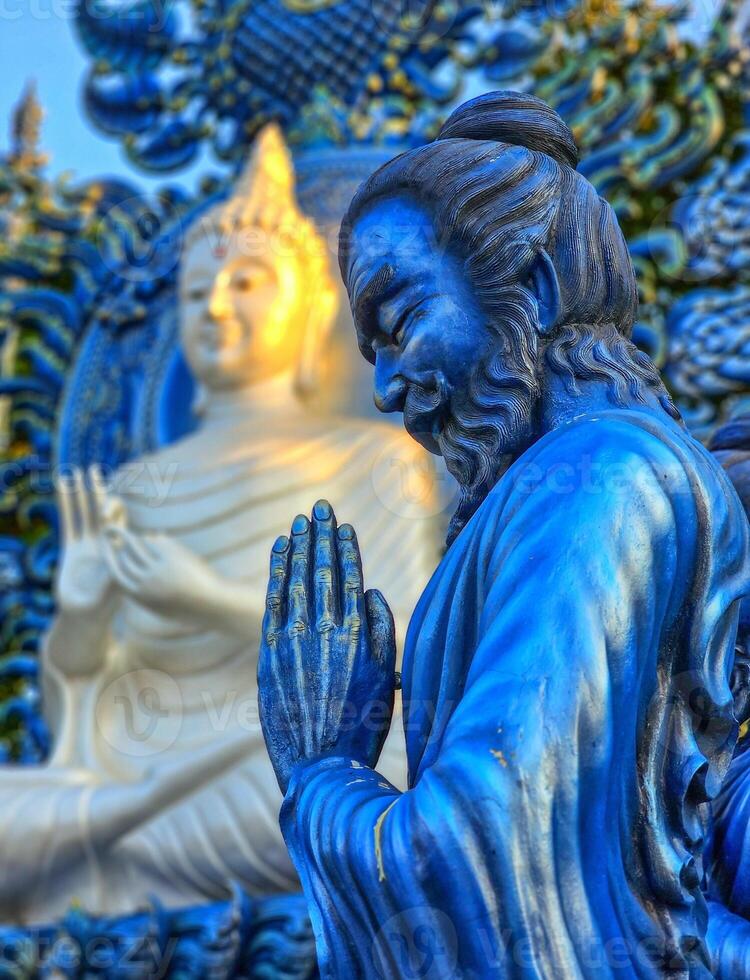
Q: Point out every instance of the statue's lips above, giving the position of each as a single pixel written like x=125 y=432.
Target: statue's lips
x=220 y=335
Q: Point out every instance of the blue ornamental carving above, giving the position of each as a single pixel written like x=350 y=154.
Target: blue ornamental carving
x=240 y=65
x=709 y=360
x=242 y=937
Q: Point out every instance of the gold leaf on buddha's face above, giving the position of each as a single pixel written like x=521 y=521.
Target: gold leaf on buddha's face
x=254 y=277
x=240 y=312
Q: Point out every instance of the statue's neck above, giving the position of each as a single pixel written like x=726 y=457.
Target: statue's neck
x=559 y=405
x=271 y=401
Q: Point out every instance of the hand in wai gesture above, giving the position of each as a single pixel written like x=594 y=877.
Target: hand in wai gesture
x=326 y=672
x=84 y=584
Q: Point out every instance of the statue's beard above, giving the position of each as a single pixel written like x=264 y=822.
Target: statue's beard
x=483 y=432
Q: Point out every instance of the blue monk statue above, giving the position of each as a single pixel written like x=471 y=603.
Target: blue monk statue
x=566 y=679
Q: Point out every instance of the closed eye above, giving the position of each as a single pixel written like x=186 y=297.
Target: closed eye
x=412 y=313
x=196 y=293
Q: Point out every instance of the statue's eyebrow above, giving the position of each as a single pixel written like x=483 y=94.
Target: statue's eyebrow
x=369 y=290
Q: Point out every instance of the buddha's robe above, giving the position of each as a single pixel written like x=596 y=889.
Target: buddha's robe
x=160 y=784
x=567 y=708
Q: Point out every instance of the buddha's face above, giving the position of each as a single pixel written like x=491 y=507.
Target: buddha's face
x=241 y=312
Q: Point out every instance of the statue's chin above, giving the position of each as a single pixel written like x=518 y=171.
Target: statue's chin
x=426 y=430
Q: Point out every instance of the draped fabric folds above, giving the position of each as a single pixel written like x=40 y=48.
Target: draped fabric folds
x=558 y=755
x=727 y=865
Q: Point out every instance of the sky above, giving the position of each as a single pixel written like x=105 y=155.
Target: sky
x=37 y=40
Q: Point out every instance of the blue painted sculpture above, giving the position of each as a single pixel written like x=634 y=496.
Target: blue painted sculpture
x=568 y=706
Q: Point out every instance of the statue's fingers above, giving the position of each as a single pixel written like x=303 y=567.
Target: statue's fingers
x=325 y=576
x=132 y=547
x=272 y=673
x=382 y=630
x=152 y=545
x=124 y=578
x=299 y=575
x=350 y=564
x=98 y=493
x=131 y=568
x=65 y=491
x=83 y=502
x=276 y=594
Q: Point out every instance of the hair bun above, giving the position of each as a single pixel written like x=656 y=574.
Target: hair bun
x=515 y=118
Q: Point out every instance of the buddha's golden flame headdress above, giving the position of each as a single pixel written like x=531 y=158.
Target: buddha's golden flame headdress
x=264 y=194
x=264 y=198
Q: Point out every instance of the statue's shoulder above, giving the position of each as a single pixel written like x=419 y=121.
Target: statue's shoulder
x=614 y=459
x=620 y=435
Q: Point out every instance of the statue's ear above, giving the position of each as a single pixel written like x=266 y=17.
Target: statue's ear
x=544 y=284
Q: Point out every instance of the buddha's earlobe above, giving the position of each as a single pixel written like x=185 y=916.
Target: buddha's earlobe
x=318 y=326
x=544 y=283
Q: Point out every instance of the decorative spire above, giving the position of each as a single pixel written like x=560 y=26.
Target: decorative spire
x=25 y=130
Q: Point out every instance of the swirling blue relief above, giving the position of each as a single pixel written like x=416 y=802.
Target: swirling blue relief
x=708 y=362
x=97 y=261
x=713 y=216
x=268 y=939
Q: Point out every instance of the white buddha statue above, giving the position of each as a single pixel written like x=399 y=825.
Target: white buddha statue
x=159 y=784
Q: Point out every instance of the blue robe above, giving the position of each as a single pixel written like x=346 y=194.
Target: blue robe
x=728 y=872
x=566 y=682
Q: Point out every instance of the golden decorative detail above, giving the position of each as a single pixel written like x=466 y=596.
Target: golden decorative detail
x=309 y=6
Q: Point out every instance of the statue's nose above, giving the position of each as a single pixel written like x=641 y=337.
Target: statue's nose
x=218 y=302
x=390 y=397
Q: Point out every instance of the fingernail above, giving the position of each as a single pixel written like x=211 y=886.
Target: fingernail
x=281 y=544
x=346 y=531
x=300 y=524
x=322 y=510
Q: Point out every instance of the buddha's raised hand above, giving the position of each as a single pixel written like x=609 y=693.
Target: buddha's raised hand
x=326 y=673
x=84 y=584
x=161 y=573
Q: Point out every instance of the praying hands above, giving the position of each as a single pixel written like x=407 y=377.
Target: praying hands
x=326 y=673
